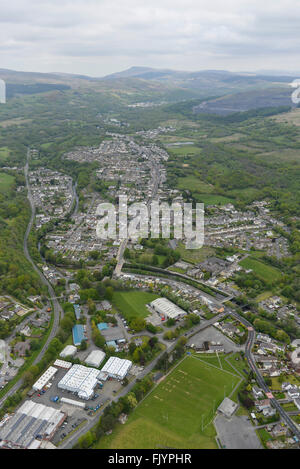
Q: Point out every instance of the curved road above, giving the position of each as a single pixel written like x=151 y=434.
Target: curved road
x=249 y=344
x=56 y=306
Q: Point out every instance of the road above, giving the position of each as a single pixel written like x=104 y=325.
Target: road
x=155 y=175
x=57 y=311
x=248 y=354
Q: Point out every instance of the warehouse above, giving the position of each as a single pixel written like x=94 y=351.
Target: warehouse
x=62 y=364
x=80 y=380
x=40 y=422
x=44 y=379
x=95 y=358
x=116 y=368
x=68 y=351
x=78 y=334
x=165 y=307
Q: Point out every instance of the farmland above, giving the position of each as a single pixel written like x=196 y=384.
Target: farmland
x=173 y=413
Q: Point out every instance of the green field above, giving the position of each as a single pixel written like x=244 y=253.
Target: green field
x=6 y=181
x=265 y=271
x=4 y=153
x=184 y=150
x=194 y=184
x=132 y=304
x=172 y=414
x=195 y=255
x=212 y=199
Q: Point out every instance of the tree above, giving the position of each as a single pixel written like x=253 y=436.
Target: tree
x=132 y=400
x=83 y=345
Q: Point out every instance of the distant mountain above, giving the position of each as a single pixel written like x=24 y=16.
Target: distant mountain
x=146 y=83
x=147 y=73
x=205 y=82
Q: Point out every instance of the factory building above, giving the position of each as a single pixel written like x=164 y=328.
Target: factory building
x=44 y=379
x=29 y=426
x=165 y=308
x=78 y=334
x=62 y=364
x=68 y=351
x=95 y=358
x=116 y=368
x=80 y=380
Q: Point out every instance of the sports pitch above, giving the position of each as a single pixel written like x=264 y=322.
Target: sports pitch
x=179 y=412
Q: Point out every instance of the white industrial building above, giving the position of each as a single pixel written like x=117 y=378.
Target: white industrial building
x=95 y=358
x=68 y=351
x=165 y=307
x=65 y=400
x=116 y=368
x=62 y=364
x=44 y=379
x=80 y=380
x=40 y=422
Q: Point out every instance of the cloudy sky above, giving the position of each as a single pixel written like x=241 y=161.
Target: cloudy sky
x=97 y=37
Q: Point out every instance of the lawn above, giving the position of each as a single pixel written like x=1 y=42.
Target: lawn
x=132 y=303
x=172 y=414
x=265 y=271
x=277 y=385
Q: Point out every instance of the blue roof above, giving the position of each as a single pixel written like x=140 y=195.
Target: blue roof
x=102 y=326
x=78 y=334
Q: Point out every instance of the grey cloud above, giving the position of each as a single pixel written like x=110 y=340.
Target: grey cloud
x=67 y=35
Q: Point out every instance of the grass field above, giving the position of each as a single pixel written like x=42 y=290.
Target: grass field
x=171 y=416
x=184 y=150
x=6 y=181
x=4 y=153
x=265 y=271
x=212 y=199
x=194 y=184
x=195 y=255
x=132 y=304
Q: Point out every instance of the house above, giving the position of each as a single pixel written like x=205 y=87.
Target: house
x=294 y=393
x=257 y=392
x=269 y=412
x=279 y=430
x=21 y=348
x=261 y=405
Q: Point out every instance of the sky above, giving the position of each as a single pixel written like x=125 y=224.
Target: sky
x=99 y=37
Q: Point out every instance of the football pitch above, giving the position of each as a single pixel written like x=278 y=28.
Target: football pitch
x=179 y=412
